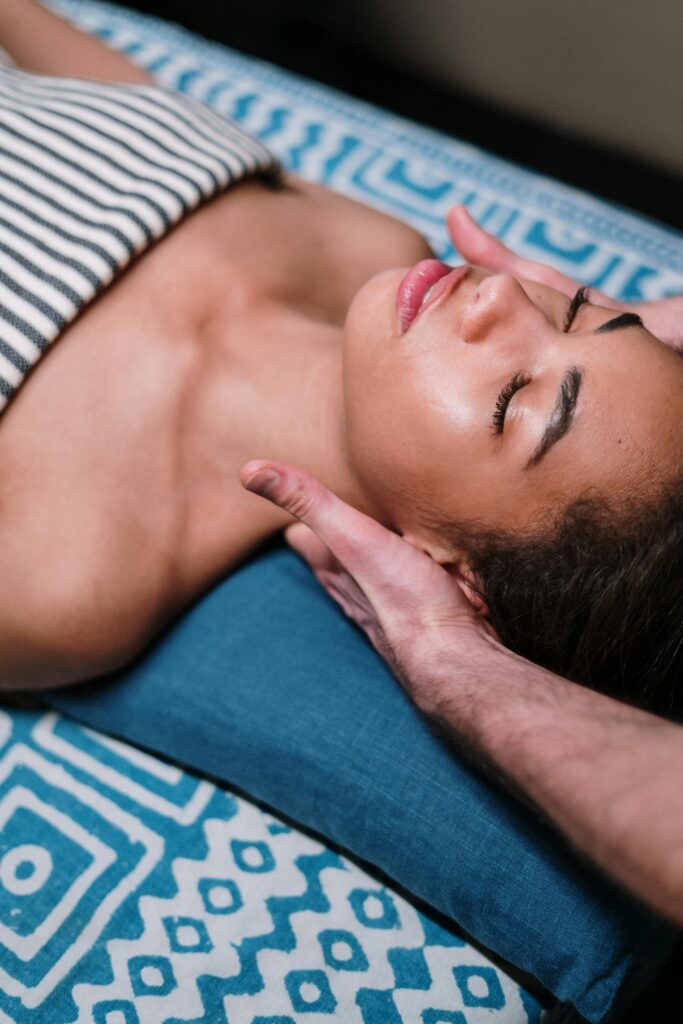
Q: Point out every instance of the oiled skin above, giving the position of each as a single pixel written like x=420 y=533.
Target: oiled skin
x=120 y=455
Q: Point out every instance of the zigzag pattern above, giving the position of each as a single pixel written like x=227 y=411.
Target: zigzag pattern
x=133 y=893
x=397 y=166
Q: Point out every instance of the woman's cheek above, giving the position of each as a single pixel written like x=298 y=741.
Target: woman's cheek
x=369 y=373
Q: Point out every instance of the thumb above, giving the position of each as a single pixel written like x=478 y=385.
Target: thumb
x=360 y=543
x=384 y=564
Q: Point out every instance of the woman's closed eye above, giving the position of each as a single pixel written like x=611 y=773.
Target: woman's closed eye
x=514 y=385
x=520 y=380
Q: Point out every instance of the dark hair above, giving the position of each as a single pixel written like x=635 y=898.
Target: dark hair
x=596 y=601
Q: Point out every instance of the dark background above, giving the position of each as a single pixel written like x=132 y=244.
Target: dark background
x=300 y=35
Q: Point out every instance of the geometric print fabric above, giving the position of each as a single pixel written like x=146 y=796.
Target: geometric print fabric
x=402 y=168
x=132 y=892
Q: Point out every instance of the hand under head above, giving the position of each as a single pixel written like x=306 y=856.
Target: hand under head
x=529 y=442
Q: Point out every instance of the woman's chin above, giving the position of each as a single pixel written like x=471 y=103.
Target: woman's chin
x=372 y=310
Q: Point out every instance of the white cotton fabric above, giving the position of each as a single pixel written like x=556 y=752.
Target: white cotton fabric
x=91 y=174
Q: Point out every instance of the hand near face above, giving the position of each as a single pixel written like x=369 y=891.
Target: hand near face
x=663 y=317
x=409 y=606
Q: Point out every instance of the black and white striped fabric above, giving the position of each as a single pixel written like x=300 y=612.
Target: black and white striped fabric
x=90 y=175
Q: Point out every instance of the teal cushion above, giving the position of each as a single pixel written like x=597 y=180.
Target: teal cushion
x=265 y=684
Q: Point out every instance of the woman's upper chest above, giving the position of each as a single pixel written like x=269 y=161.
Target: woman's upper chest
x=140 y=415
x=301 y=246
x=157 y=331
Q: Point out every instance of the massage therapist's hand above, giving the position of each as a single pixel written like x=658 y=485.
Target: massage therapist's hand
x=662 y=317
x=408 y=605
x=606 y=774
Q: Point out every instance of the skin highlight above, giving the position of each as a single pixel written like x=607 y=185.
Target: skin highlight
x=606 y=775
x=420 y=405
x=277 y=342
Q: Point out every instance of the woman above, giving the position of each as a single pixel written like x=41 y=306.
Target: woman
x=486 y=419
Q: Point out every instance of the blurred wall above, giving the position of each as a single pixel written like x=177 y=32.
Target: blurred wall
x=610 y=70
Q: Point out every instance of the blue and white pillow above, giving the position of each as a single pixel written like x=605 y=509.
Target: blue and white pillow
x=132 y=892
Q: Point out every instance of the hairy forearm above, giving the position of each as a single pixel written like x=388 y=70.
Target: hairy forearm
x=40 y=41
x=609 y=776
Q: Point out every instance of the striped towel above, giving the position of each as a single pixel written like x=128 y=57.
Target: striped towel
x=90 y=175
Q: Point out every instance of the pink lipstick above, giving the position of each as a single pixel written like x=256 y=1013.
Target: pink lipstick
x=423 y=285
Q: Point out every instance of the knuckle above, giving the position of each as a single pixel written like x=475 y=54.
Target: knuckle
x=299 y=502
x=483 y=247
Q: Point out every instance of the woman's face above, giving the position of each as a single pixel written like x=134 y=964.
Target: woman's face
x=491 y=408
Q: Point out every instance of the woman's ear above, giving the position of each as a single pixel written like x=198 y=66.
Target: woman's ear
x=457 y=564
x=469 y=586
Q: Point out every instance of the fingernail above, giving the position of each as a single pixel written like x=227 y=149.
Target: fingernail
x=263 y=482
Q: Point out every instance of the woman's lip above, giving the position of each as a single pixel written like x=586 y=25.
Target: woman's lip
x=425 y=275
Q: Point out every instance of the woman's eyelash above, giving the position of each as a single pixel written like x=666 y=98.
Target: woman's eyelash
x=519 y=381
x=574 y=307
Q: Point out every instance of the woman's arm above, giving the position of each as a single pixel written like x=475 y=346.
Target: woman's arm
x=40 y=41
x=608 y=775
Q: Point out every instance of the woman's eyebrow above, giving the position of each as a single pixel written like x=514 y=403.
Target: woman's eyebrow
x=562 y=415
x=623 y=320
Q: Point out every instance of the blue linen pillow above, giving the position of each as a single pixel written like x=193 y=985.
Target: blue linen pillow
x=265 y=685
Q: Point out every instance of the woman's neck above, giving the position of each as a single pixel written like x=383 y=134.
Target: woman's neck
x=287 y=396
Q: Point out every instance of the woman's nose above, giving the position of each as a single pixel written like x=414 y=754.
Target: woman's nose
x=499 y=300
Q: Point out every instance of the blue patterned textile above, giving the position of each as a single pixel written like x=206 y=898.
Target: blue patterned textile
x=425 y=818
x=134 y=893
x=265 y=684
x=397 y=166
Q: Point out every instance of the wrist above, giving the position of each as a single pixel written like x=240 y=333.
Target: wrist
x=451 y=666
x=481 y=691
